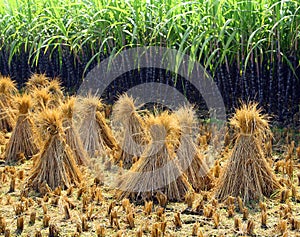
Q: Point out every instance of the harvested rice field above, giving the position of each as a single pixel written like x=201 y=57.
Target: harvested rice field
x=90 y=215
x=205 y=218
x=63 y=175
x=149 y=118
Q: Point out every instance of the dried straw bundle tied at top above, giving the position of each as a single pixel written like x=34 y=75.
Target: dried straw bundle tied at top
x=133 y=138
x=94 y=132
x=55 y=164
x=55 y=89
x=189 y=157
x=36 y=81
x=7 y=115
x=45 y=93
x=156 y=170
x=72 y=136
x=43 y=99
x=247 y=173
x=22 y=140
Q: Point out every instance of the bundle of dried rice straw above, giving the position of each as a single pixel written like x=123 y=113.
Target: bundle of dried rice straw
x=189 y=157
x=36 y=81
x=22 y=140
x=72 y=136
x=55 y=164
x=95 y=134
x=133 y=138
x=2 y=138
x=247 y=173
x=156 y=170
x=7 y=112
x=55 y=90
x=46 y=93
x=43 y=99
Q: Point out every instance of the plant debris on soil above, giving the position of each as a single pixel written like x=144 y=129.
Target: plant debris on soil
x=250 y=188
x=92 y=205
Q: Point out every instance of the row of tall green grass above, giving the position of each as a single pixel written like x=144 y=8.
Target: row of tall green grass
x=212 y=31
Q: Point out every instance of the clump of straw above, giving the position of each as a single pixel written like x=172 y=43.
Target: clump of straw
x=22 y=139
x=94 y=132
x=41 y=99
x=55 y=90
x=46 y=94
x=189 y=157
x=2 y=138
x=247 y=173
x=55 y=164
x=156 y=170
x=36 y=81
x=47 y=97
x=7 y=92
x=72 y=136
x=134 y=137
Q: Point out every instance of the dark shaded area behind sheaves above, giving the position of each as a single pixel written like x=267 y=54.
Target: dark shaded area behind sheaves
x=273 y=84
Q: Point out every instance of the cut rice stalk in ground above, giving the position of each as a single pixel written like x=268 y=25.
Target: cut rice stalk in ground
x=189 y=157
x=72 y=136
x=95 y=134
x=7 y=113
x=247 y=173
x=156 y=170
x=55 y=164
x=133 y=138
x=22 y=140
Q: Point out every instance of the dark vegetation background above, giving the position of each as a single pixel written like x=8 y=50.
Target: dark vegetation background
x=249 y=47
